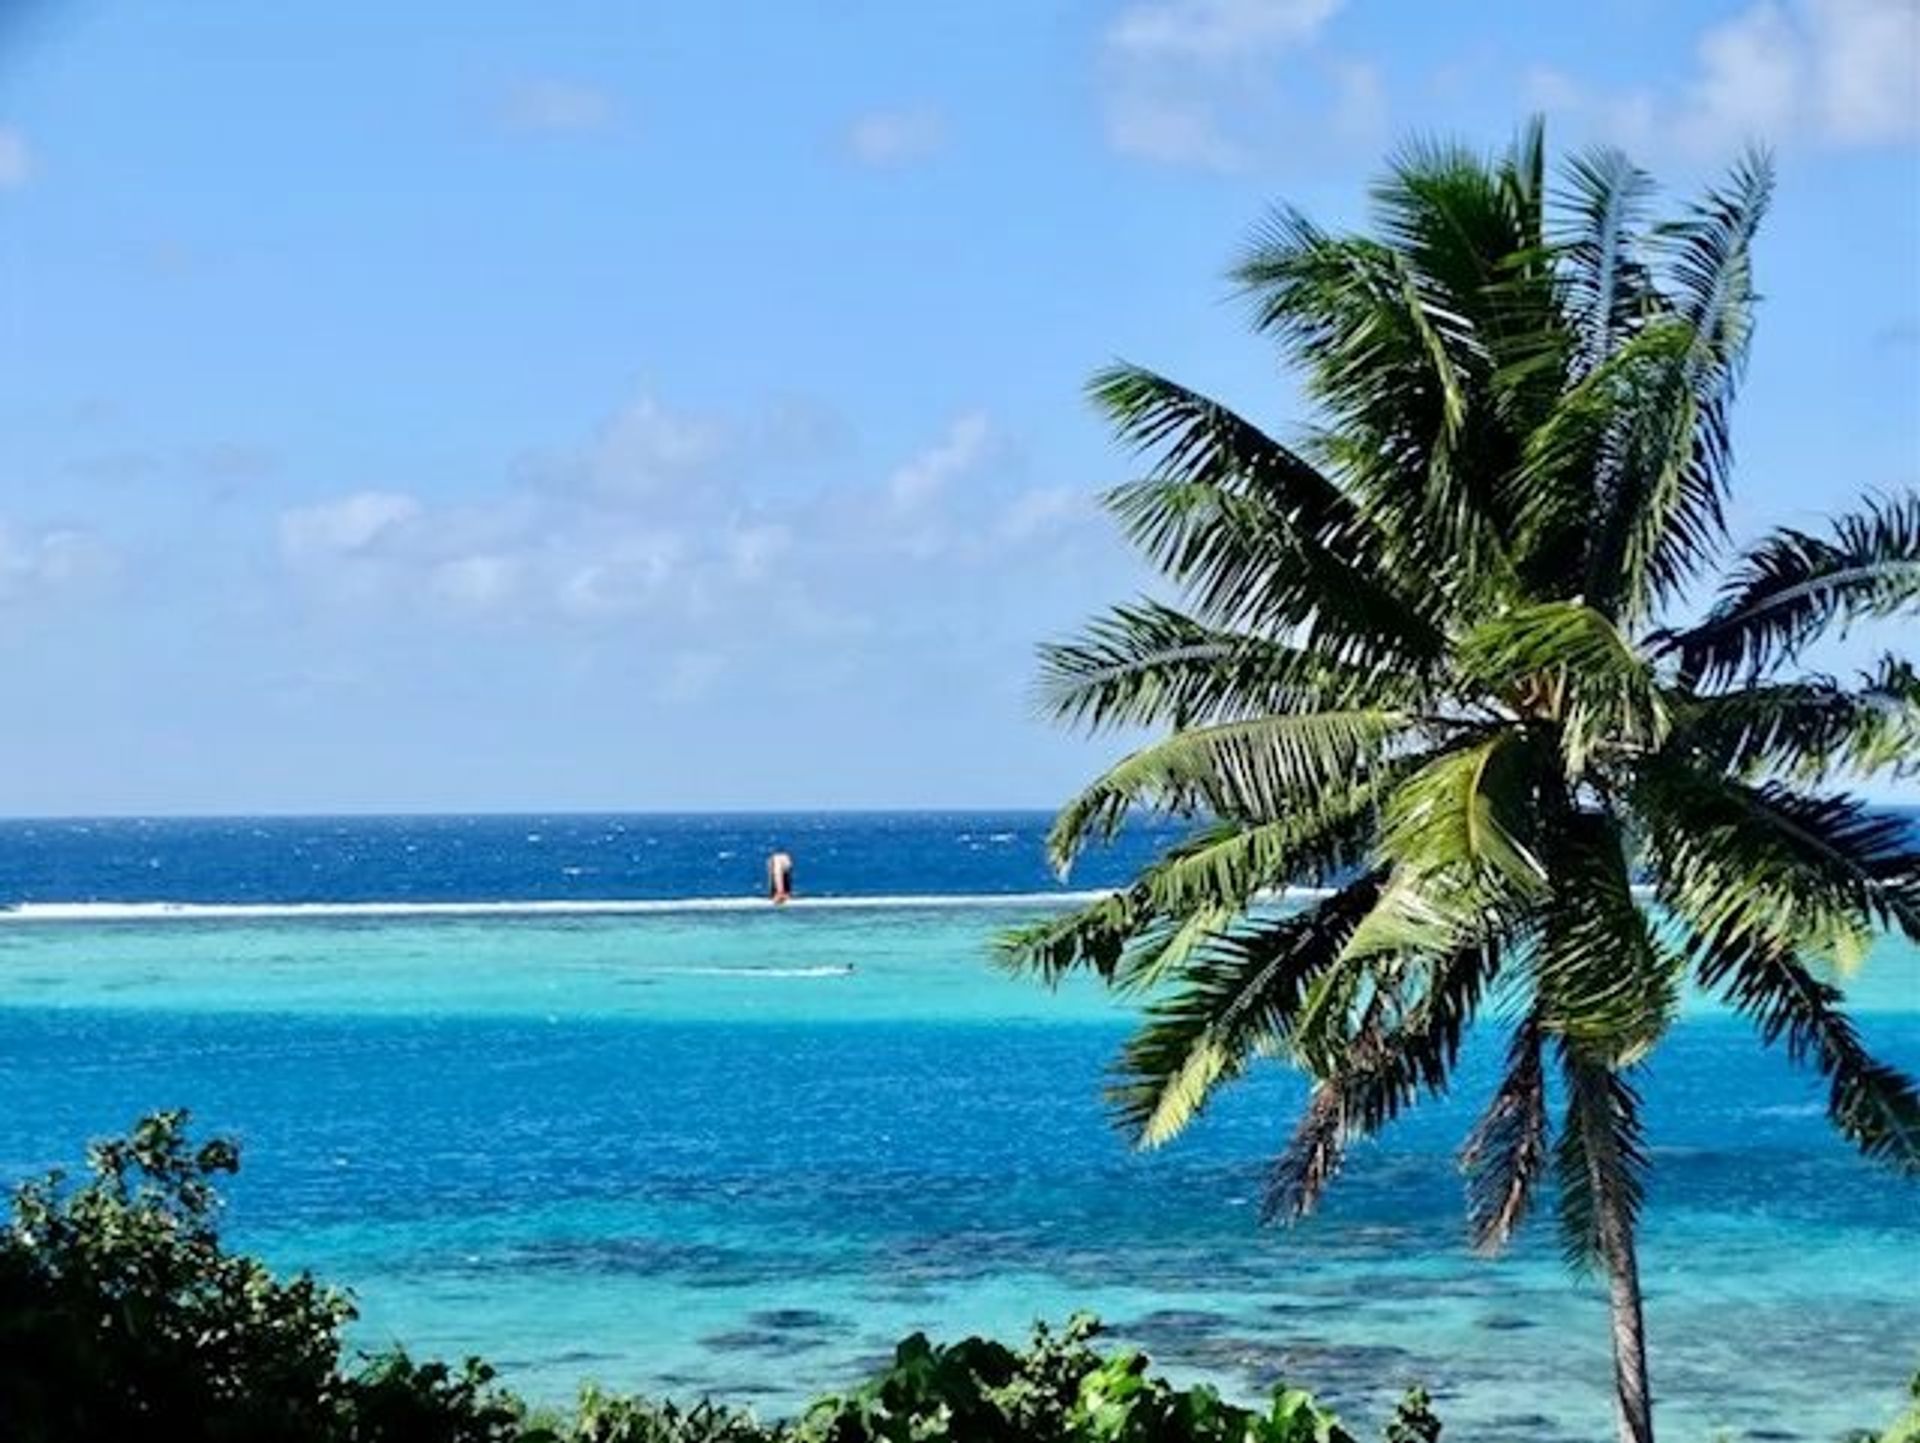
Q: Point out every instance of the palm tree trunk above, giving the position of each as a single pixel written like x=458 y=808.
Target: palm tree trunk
x=1633 y=1402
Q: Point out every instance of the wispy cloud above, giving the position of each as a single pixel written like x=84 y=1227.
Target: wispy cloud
x=922 y=478
x=1833 y=73
x=16 y=158
x=1198 y=83
x=1213 y=31
x=555 y=106
x=890 y=138
x=350 y=525
x=53 y=562
x=679 y=525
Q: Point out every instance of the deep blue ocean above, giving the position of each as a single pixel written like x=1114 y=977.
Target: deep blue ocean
x=723 y=1148
x=543 y=858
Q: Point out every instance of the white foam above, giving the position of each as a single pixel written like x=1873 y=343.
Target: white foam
x=603 y=907
x=555 y=907
x=831 y=969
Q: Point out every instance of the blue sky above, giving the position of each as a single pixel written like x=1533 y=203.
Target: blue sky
x=440 y=406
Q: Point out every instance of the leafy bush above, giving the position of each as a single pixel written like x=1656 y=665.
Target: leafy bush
x=122 y=1316
x=1061 y=1390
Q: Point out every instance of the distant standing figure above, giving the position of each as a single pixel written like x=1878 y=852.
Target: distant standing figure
x=779 y=877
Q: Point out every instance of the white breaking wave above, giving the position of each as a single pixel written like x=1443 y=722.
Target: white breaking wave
x=602 y=907
x=829 y=969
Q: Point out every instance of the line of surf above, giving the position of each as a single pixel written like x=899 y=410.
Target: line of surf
x=535 y=907
x=532 y=907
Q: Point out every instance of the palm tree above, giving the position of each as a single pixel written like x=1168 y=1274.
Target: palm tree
x=1435 y=662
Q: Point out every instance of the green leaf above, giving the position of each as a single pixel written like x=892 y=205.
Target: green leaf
x=1566 y=660
x=1507 y=1152
x=1793 y=587
x=1872 y=1105
x=1600 y=1162
x=1255 y=770
x=1236 y=996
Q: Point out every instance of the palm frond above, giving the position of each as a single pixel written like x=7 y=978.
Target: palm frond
x=1093 y=938
x=1605 y=986
x=1872 y=1105
x=1233 y=865
x=1792 y=587
x=1507 y=1152
x=1252 y=533
x=1745 y=863
x=1392 y=354
x=1600 y=1162
x=1674 y=521
x=1573 y=659
x=1252 y=771
x=1608 y=288
x=1198 y=885
x=1809 y=730
x=1458 y=837
x=1469 y=809
x=1375 y=1058
x=1235 y=995
x=1148 y=664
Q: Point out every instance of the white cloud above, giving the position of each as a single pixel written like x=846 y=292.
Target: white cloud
x=724 y=565
x=885 y=138
x=1360 y=101
x=479 y=583
x=625 y=576
x=1208 y=84
x=1215 y=30
x=923 y=477
x=556 y=107
x=16 y=158
x=647 y=446
x=753 y=549
x=352 y=524
x=1868 y=69
x=1823 y=72
x=1169 y=131
x=59 y=560
x=1043 y=510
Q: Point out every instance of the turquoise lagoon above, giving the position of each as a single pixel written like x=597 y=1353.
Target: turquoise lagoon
x=739 y=1151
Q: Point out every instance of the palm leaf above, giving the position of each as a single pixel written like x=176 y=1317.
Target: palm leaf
x=1793 y=586
x=1600 y=1162
x=1605 y=986
x=1568 y=660
x=1507 y=1152
x=1255 y=770
x=1401 y=1042
x=1807 y=730
x=1149 y=664
x=1236 y=994
x=1607 y=287
x=1254 y=534
x=1872 y=1105
x=1745 y=863
x=1673 y=520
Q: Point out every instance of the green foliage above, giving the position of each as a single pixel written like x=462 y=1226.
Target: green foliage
x=122 y=1315
x=1061 y=1390
x=120 y=1311
x=608 y=1418
x=394 y=1398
